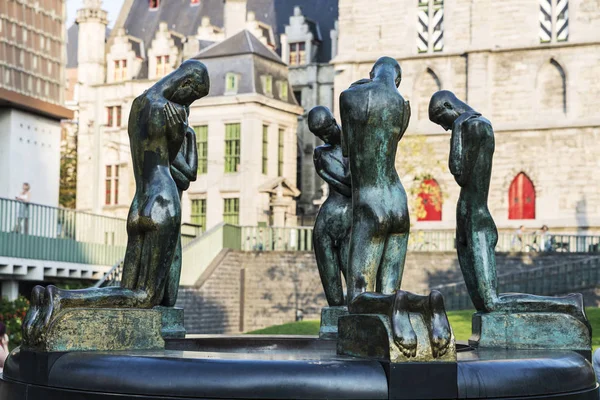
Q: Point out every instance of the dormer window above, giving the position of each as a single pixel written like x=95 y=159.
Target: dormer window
x=231 y=83
x=154 y=4
x=298 y=53
x=163 y=65
x=283 y=90
x=268 y=85
x=120 y=70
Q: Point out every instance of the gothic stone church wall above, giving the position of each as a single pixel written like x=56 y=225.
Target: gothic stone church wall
x=540 y=97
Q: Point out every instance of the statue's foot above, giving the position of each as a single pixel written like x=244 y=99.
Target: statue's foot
x=404 y=334
x=33 y=313
x=50 y=306
x=579 y=309
x=440 y=332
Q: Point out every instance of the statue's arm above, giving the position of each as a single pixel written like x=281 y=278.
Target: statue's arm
x=192 y=152
x=474 y=132
x=335 y=184
x=182 y=181
x=456 y=153
x=187 y=164
x=405 y=118
x=345 y=126
x=327 y=174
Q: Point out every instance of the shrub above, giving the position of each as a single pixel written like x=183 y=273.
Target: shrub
x=12 y=314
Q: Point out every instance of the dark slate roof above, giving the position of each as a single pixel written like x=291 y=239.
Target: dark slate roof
x=244 y=55
x=72 y=40
x=136 y=46
x=184 y=18
x=241 y=43
x=180 y=16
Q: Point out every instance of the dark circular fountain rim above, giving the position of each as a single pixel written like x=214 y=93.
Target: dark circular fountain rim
x=284 y=367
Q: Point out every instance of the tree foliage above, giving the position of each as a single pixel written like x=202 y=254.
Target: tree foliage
x=67 y=194
x=12 y=314
x=417 y=163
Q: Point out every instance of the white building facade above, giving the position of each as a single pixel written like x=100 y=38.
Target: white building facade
x=246 y=127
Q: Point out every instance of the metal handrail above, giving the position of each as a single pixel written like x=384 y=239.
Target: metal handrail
x=551 y=280
x=112 y=277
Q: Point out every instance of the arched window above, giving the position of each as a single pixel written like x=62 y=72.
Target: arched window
x=521 y=198
x=552 y=87
x=426 y=86
x=429 y=201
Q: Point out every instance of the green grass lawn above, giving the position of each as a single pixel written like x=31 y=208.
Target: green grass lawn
x=460 y=321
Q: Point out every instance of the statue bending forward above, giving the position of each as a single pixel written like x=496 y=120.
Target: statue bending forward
x=335 y=216
x=471 y=153
x=157 y=129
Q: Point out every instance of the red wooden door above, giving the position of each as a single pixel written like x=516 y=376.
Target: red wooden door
x=430 y=197
x=521 y=198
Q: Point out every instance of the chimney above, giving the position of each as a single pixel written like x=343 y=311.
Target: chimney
x=235 y=17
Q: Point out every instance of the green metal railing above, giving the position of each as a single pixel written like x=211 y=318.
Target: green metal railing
x=300 y=239
x=276 y=239
x=544 y=281
x=35 y=231
x=29 y=230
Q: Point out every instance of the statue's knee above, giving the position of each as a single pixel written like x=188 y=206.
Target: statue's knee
x=436 y=297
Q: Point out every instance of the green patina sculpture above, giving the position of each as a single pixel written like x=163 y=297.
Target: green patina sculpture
x=374 y=117
x=184 y=169
x=333 y=223
x=157 y=130
x=471 y=153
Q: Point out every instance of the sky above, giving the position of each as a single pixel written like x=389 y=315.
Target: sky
x=112 y=6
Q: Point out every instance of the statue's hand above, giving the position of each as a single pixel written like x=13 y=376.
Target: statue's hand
x=175 y=122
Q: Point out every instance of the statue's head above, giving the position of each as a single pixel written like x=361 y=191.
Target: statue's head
x=387 y=65
x=187 y=83
x=322 y=123
x=445 y=108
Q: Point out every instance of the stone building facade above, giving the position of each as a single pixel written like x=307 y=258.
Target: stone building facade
x=32 y=70
x=530 y=66
x=253 y=97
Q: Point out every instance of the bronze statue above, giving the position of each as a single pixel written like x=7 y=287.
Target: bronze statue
x=374 y=118
x=184 y=170
x=333 y=223
x=471 y=153
x=157 y=129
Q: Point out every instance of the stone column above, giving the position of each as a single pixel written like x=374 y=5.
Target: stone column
x=10 y=290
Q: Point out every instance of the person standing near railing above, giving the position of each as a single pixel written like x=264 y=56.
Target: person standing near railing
x=517 y=240
x=545 y=239
x=22 y=225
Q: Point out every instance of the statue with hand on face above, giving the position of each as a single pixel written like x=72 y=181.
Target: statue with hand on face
x=157 y=130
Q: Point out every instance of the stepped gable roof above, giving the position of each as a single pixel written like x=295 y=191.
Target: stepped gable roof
x=242 y=42
x=320 y=16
